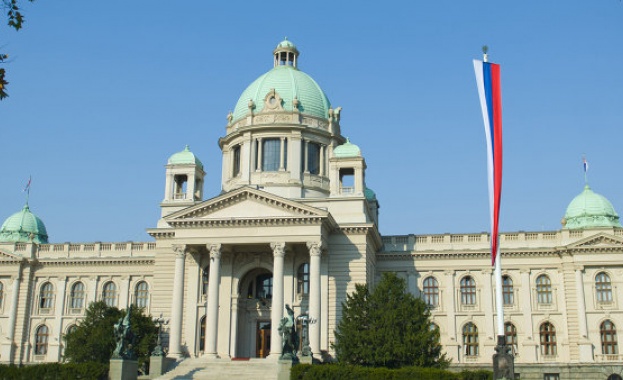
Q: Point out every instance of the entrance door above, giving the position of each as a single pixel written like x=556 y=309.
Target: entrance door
x=262 y=339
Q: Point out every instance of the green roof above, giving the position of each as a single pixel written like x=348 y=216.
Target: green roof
x=23 y=226
x=185 y=157
x=347 y=150
x=588 y=210
x=290 y=83
x=370 y=194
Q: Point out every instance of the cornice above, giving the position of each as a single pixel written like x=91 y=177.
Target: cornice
x=248 y=222
x=161 y=233
x=99 y=261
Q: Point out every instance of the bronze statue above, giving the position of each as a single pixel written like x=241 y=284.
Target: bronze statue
x=287 y=329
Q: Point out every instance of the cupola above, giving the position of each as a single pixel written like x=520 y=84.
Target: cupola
x=590 y=210
x=25 y=227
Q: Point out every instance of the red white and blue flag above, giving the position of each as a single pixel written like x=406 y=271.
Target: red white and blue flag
x=490 y=92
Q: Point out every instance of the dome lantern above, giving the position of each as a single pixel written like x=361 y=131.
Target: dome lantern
x=285 y=54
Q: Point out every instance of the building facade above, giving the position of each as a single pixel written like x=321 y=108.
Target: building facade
x=296 y=225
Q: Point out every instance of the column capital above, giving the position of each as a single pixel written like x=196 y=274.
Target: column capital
x=449 y=272
x=180 y=250
x=279 y=249
x=215 y=251
x=579 y=268
x=315 y=248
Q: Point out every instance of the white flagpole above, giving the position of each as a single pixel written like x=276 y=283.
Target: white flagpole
x=499 y=299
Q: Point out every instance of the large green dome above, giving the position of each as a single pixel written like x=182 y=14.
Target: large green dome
x=289 y=83
x=589 y=210
x=23 y=226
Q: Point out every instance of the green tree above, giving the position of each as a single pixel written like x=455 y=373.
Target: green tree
x=387 y=327
x=15 y=20
x=93 y=339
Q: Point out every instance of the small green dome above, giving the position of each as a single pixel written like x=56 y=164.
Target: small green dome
x=370 y=195
x=23 y=226
x=588 y=210
x=347 y=150
x=185 y=157
x=286 y=44
x=292 y=86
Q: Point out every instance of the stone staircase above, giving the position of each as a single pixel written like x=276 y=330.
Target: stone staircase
x=207 y=369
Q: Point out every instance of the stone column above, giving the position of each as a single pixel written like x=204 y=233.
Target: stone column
x=586 y=352
x=175 y=334
x=453 y=343
x=489 y=307
x=212 y=303
x=258 y=163
x=282 y=154
x=315 y=250
x=279 y=252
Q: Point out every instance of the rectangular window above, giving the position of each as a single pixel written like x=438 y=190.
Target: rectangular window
x=236 y=161
x=271 y=154
x=551 y=376
x=313 y=158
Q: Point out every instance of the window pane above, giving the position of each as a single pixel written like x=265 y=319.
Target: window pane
x=603 y=286
x=77 y=295
x=468 y=291
x=110 y=294
x=236 y=161
x=41 y=340
x=303 y=279
x=544 y=289
x=609 y=344
x=431 y=291
x=470 y=339
x=142 y=294
x=507 y=290
x=271 y=154
x=47 y=296
x=313 y=158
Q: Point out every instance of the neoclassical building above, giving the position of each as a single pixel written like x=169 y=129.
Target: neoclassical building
x=295 y=224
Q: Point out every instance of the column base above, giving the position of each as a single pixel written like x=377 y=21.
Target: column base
x=211 y=355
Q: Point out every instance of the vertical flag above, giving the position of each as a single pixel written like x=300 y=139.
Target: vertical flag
x=490 y=92
x=27 y=187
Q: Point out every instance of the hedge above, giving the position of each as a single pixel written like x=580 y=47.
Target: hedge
x=347 y=372
x=55 y=371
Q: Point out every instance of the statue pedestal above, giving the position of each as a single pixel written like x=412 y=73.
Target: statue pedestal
x=158 y=365
x=285 y=365
x=306 y=359
x=123 y=369
x=503 y=361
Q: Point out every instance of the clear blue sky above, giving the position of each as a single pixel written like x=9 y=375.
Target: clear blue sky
x=102 y=93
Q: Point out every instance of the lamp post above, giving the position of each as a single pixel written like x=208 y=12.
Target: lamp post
x=160 y=321
x=305 y=322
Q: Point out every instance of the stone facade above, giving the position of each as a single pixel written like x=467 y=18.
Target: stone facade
x=296 y=224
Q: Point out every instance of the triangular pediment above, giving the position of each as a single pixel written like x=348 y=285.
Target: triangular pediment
x=599 y=240
x=246 y=203
x=4 y=256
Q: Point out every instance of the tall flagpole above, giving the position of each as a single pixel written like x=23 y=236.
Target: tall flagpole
x=488 y=79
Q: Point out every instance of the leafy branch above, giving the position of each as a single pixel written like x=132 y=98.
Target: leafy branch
x=15 y=21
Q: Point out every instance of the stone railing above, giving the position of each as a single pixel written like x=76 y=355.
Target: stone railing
x=77 y=250
x=477 y=241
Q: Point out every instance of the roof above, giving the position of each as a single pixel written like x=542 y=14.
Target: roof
x=590 y=209
x=23 y=226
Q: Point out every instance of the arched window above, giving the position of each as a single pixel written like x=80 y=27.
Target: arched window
x=507 y=291
x=603 y=287
x=544 y=289
x=468 y=290
x=302 y=280
x=141 y=294
x=46 y=297
x=547 y=331
x=76 y=296
x=109 y=294
x=71 y=329
x=434 y=327
x=615 y=376
x=205 y=275
x=202 y=333
x=470 y=339
x=510 y=333
x=608 y=333
x=431 y=291
x=41 y=340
